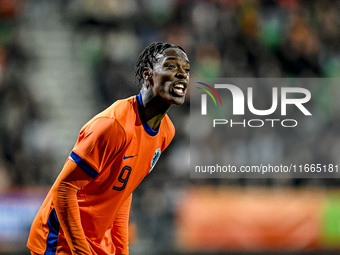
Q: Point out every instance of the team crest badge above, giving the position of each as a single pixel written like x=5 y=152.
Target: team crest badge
x=155 y=159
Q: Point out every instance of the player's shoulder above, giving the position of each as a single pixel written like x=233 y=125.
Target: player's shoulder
x=169 y=123
x=119 y=109
x=167 y=126
x=115 y=115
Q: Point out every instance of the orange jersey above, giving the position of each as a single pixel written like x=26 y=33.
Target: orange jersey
x=117 y=150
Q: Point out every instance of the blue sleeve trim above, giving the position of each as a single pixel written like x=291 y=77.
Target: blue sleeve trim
x=53 y=234
x=146 y=126
x=83 y=165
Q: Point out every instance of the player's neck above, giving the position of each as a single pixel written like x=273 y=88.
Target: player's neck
x=154 y=109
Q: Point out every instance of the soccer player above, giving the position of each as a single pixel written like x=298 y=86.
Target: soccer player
x=87 y=209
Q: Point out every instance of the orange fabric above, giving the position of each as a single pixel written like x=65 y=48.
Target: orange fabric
x=64 y=195
x=120 y=228
x=92 y=198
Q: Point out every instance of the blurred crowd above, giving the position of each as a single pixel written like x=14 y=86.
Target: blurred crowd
x=223 y=38
x=18 y=108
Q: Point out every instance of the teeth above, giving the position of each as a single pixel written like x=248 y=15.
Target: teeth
x=179 y=86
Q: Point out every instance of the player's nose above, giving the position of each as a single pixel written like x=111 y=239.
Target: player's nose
x=181 y=74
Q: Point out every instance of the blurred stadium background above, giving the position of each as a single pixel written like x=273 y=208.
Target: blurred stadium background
x=63 y=61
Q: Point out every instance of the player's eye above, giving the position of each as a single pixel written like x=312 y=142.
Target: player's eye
x=187 y=70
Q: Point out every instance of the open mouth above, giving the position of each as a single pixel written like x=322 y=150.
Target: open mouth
x=180 y=88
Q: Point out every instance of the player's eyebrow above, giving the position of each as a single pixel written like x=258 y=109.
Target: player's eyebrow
x=175 y=58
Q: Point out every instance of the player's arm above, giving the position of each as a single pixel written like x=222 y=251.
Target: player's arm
x=96 y=144
x=64 y=195
x=120 y=233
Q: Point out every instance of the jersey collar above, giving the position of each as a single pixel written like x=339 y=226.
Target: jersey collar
x=146 y=126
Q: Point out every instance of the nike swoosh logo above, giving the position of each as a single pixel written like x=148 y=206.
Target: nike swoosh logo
x=129 y=156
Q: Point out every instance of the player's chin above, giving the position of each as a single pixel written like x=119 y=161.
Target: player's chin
x=177 y=100
x=180 y=101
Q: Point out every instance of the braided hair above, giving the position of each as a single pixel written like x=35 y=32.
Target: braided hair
x=148 y=57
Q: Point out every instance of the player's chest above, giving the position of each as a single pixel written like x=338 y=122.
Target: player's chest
x=133 y=163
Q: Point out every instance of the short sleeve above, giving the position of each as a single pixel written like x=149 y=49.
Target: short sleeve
x=98 y=142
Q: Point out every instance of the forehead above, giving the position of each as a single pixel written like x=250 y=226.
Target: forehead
x=172 y=53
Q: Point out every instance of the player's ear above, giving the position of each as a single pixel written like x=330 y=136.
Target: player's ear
x=147 y=75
